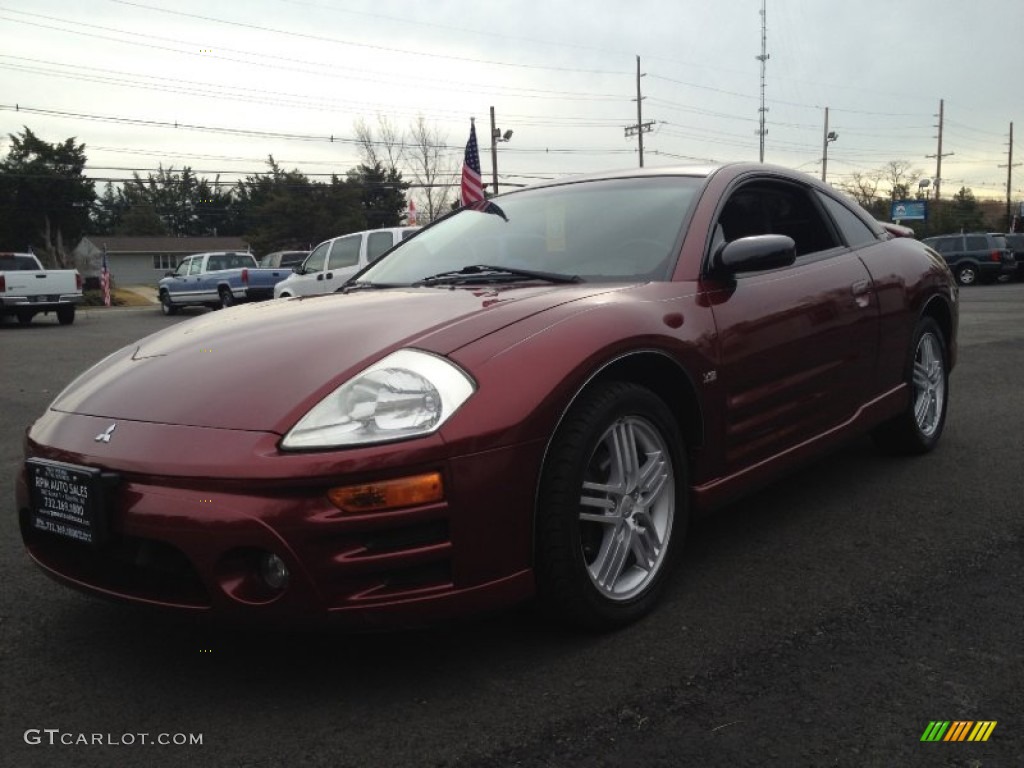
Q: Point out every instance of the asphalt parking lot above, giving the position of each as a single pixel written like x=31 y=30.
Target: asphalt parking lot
x=825 y=621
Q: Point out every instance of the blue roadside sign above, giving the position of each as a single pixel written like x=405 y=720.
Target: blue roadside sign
x=905 y=210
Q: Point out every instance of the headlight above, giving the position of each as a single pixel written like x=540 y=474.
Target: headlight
x=407 y=394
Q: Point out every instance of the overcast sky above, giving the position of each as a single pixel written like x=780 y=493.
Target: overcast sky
x=561 y=75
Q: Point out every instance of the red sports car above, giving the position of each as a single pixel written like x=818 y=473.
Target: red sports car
x=532 y=396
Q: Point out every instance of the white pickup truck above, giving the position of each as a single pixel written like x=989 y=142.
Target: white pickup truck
x=26 y=289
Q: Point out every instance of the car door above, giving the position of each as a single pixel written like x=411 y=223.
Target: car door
x=182 y=285
x=796 y=344
x=310 y=275
x=178 y=284
x=342 y=262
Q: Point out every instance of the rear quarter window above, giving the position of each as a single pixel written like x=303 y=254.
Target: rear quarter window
x=851 y=226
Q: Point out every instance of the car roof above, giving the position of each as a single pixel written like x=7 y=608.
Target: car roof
x=698 y=171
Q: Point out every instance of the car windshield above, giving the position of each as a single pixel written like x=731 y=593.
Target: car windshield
x=599 y=231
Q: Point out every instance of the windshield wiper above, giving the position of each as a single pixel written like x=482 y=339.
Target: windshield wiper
x=485 y=273
x=363 y=286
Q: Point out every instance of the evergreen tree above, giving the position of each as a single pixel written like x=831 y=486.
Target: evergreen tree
x=45 y=199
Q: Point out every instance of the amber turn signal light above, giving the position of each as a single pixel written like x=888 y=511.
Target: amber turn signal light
x=389 y=494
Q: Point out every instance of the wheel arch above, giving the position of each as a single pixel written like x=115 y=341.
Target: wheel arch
x=665 y=377
x=939 y=310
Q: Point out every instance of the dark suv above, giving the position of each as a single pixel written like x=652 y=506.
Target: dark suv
x=975 y=256
x=1015 y=241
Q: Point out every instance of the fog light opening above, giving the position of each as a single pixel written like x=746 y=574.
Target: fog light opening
x=273 y=571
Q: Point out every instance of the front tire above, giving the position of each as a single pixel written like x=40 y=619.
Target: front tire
x=918 y=429
x=166 y=306
x=612 y=508
x=967 y=274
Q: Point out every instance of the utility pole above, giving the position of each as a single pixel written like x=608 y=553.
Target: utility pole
x=763 y=58
x=1009 y=182
x=641 y=127
x=827 y=137
x=939 y=155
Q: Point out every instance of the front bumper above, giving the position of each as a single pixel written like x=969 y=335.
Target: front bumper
x=192 y=544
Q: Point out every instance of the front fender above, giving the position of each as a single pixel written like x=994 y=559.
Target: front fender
x=529 y=373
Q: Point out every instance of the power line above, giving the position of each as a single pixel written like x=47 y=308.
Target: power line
x=259 y=59
x=274 y=134
x=370 y=46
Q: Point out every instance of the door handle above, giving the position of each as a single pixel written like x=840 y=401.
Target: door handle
x=861 y=291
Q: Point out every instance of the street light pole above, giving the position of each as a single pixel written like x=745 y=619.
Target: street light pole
x=496 y=136
x=494 y=152
x=827 y=137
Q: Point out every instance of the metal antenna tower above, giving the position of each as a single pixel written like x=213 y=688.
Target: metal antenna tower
x=763 y=58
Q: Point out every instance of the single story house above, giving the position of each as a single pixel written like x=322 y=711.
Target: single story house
x=144 y=260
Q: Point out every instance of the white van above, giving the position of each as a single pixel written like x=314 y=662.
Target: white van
x=334 y=261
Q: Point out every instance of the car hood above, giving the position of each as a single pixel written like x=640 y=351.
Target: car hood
x=262 y=366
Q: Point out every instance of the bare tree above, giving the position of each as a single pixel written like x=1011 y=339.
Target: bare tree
x=863 y=187
x=386 y=148
x=900 y=176
x=433 y=168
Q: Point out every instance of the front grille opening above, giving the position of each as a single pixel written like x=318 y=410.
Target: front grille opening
x=134 y=567
x=407 y=537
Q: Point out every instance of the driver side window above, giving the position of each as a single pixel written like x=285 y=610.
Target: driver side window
x=315 y=262
x=775 y=208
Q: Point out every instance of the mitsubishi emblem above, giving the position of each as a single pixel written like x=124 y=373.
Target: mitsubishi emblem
x=104 y=437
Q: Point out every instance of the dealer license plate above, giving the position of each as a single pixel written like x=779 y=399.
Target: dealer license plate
x=67 y=500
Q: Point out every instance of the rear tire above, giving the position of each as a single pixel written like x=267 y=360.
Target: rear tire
x=226 y=298
x=25 y=318
x=66 y=315
x=612 y=507
x=918 y=429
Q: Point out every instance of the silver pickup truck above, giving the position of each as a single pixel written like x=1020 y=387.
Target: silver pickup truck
x=26 y=289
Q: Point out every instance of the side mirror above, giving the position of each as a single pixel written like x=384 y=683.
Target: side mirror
x=169 y=273
x=753 y=254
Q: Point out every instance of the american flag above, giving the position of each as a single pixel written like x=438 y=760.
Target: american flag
x=472 y=186
x=105 y=279
x=411 y=218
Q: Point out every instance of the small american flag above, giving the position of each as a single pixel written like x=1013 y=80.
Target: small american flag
x=411 y=217
x=472 y=187
x=105 y=279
